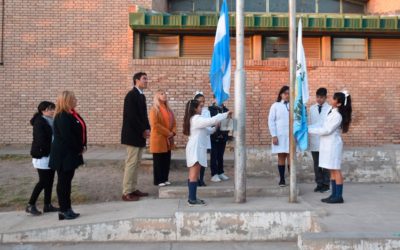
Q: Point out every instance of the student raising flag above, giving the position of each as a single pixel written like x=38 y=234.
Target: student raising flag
x=302 y=94
x=220 y=72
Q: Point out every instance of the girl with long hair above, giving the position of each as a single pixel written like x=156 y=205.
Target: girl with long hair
x=195 y=126
x=278 y=123
x=331 y=144
x=163 y=131
x=42 y=122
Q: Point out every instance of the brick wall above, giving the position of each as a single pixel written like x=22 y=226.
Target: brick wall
x=383 y=6
x=86 y=46
x=373 y=85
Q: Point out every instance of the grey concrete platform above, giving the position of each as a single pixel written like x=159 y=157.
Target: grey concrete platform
x=349 y=240
x=256 y=187
x=165 y=220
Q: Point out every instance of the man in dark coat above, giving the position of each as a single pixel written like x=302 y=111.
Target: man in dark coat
x=135 y=131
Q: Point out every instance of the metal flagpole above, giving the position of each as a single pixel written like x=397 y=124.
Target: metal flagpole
x=292 y=59
x=240 y=108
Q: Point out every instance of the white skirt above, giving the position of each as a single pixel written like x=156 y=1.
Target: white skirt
x=42 y=163
x=283 y=145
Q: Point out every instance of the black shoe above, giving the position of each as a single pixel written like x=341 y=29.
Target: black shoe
x=335 y=200
x=32 y=209
x=76 y=214
x=201 y=183
x=196 y=203
x=49 y=208
x=318 y=188
x=327 y=199
x=282 y=183
x=69 y=215
x=324 y=189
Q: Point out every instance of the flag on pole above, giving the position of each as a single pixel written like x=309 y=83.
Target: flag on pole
x=300 y=128
x=220 y=72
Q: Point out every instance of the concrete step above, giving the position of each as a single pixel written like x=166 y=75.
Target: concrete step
x=349 y=240
x=150 y=220
x=154 y=246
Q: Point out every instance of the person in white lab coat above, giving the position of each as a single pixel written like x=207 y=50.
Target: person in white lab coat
x=278 y=123
x=196 y=127
x=318 y=114
x=331 y=144
x=206 y=114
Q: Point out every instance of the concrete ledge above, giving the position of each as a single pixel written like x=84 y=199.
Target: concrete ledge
x=349 y=241
x=180 y=192
x=191 y=225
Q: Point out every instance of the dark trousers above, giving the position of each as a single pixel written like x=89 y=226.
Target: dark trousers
x=64 y=189
x=46 y=179
x=217 y=157
x=322 y=176
x=161 y=166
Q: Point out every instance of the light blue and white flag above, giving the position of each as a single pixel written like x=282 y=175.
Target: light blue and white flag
x=300 y=128
x=220 y=72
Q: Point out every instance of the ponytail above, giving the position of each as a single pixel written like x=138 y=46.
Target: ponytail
x=190 y=111
x=345 y=109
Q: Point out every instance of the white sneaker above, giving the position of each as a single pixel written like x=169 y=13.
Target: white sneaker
x=223 y=177
x=162 y=185
x=215 y=178
x=167 y=183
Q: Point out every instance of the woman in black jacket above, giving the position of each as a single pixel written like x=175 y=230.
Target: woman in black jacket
x=42 y=123
x=66 y=153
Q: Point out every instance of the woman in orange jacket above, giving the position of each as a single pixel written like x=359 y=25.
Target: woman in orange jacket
x=163 y=131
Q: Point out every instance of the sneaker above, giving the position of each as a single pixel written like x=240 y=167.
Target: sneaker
x=162 y=184
x=215 y=178
x=223 y=177
x=167 y=183
x=196 y=203
x=282 y=183
x=324 y=189
x=32 y=209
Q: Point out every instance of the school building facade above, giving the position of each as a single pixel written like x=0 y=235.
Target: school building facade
x=94 y=47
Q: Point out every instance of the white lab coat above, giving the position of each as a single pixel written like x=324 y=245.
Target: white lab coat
x=278 y=123
x=317 y=120
x=206 y=114
x=331 y=144
x=196 y=148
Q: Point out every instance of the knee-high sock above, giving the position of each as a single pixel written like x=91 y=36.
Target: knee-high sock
x=281 y=169
x=333 y=183
x=339 y=190
x=192 y=190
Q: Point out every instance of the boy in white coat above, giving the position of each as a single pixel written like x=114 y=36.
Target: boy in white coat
x=318 y=114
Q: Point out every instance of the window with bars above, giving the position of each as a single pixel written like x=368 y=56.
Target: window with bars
x=186 y=46
x=349 y=48
x=278 y=47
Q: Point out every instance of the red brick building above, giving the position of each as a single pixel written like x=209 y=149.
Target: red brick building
x=94 y=47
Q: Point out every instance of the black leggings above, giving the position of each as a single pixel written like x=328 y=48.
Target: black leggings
x=161 y=166
x=64 y=189
x=46 y=179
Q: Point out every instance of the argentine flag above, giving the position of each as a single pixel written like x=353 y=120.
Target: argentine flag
x=220 y=72
x=300 y=128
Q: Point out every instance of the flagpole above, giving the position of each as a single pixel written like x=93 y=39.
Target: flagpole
x=240 y=108
x=292 y=60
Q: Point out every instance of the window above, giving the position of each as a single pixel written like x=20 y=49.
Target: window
x=278 y=47
x=192 y=5
x=305 y=6
x=384 y=49
x=203 y=46
x=329 y=6
x=278 y=6
x=351 y=7
x=349 y=48
x=160 y=46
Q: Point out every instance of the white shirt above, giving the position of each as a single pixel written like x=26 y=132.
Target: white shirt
x=278 y=123
x=317 y=120
x=206 y=114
